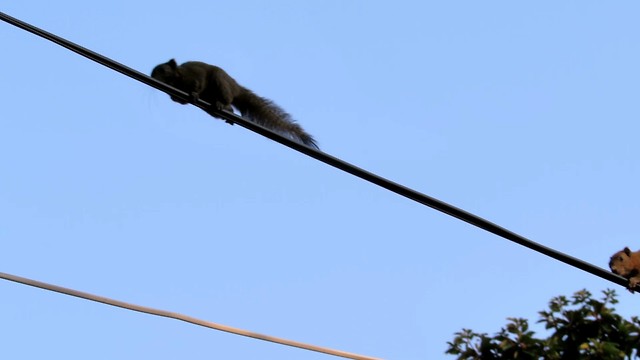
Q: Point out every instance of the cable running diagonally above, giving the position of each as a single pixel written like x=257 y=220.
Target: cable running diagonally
x=172 y=315
x=328 y=159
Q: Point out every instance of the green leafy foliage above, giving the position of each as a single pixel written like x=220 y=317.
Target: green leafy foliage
x=580 y=328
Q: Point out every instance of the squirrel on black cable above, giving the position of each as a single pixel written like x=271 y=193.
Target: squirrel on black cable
x=213 y=85
x=626 y=263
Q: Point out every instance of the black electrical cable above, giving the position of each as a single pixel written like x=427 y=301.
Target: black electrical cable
x=326 y=158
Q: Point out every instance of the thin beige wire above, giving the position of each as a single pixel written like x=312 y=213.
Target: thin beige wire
x=177 y=316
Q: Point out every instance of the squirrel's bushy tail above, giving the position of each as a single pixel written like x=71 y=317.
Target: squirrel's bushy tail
x=265 y=112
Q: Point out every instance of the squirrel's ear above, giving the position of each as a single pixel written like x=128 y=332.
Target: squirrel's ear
x=172 y=63
x=627 y=251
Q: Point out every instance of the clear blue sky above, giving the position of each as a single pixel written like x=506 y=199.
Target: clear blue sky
x=524 y=113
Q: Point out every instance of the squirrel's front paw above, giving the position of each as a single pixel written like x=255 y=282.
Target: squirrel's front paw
x=220 y=106
x=194 y=97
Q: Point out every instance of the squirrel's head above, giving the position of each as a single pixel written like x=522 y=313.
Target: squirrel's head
x=622 y=264
x=167 y=72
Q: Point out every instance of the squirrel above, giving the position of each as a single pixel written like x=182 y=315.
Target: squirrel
x=213 y=85
x=627 y=264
